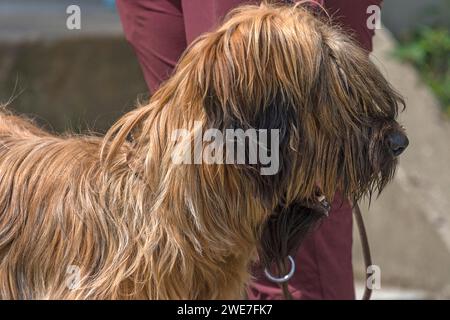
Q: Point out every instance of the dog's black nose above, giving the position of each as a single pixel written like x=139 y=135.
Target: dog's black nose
x=397 y=142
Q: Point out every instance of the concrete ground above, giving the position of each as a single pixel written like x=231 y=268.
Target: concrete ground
x=46 y=19
x=393 y=293
x=409 y=225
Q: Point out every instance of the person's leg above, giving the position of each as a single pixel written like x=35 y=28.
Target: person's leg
x=353 y=16
x=201 y=16
x=155 y=28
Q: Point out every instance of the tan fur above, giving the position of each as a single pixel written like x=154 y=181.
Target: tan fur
x=137 y=225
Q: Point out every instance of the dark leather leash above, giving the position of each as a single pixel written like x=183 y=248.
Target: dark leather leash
x=365 y=248
x=366 y=254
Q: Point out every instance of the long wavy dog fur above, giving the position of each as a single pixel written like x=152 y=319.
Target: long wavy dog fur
x=84 y=217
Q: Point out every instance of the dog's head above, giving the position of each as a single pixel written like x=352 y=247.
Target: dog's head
x=282 y=68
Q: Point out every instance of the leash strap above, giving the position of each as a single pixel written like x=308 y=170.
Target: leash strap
x=365 y=248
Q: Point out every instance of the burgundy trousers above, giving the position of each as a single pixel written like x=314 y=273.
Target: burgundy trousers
x=159 y=31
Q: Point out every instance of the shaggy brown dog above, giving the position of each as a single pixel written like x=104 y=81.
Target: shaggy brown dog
x=131 y=223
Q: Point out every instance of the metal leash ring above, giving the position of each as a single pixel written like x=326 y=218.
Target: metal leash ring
x=284 y=278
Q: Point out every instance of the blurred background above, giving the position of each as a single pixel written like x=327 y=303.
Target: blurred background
x=81 y=80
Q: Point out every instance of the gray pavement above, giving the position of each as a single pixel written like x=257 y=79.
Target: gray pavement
x=392 y=293
x=409 y=225
x=46 y=19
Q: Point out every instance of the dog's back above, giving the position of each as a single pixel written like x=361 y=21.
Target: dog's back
x=42 y=215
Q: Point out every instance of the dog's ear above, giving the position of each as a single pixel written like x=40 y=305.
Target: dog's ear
x=275 y=121
x=234 y=84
